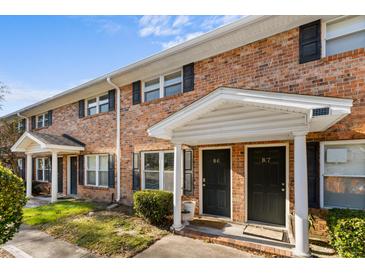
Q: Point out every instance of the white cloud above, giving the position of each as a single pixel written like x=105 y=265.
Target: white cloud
x=181 y=39
x=213 y=22
x=162 y=25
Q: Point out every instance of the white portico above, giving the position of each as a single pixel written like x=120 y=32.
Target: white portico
x=229 y=115
x=33 y=144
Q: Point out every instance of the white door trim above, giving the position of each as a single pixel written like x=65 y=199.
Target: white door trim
x=201 y=177
x=287 y=199
x=69 y=174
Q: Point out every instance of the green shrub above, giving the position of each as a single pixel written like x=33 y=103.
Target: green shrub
x=347 y=232
x=153 y=205
x=12 y=200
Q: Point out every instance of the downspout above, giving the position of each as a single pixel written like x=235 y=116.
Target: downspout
x=117 y=150
x=26 y=121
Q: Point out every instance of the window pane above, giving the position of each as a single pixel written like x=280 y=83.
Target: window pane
x=188 y=160
x=40 y=175
x=152 y=85
x=103 y=178
x=40 y=121
x=91 y=106
x=172 y=79
x=47 y=163
x=40 y=163
x=344 y=192
x=151 y=161
x=45 y=118
x=169 y=161
x=47 y=174
x=104 y=103
x=91 y=178
x=152 y=180
x=103 y=163
x=152 y=95
x=345 y=43
x=91 y=162
x=174 y=89
x=345 y=160
x=168 y=181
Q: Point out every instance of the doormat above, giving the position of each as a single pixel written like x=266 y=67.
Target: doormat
x=208 y=223
x=264 y=232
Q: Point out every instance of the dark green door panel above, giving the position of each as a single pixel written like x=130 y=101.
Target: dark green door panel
x=266 y=185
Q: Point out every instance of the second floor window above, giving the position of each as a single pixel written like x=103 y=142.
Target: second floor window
x=165 y=85
x=42 y=120
x=344 y=33
x=98 y=105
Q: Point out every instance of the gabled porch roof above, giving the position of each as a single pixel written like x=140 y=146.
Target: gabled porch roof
x=230 y=115
x=34 y=142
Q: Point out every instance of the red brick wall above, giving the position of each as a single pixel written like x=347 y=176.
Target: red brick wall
x=269 y=65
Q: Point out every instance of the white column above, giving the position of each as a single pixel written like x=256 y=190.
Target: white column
x=54 y=189
x=301 y=195
x=29 y=170
x=178 y=167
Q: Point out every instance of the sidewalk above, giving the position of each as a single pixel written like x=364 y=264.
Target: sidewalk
x=33 y=243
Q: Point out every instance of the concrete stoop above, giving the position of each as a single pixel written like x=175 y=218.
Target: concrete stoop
x=247 y=244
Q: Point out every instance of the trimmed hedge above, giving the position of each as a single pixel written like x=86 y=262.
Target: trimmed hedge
x=347 y=232
x=12 y=201
x=153 y=205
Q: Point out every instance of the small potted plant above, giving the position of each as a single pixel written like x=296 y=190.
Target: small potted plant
x=187 y=214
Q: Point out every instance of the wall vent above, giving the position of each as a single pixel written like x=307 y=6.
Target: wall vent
x=320 y=112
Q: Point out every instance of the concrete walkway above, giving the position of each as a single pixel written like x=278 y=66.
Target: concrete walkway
x=33 y=243
x=174 y=246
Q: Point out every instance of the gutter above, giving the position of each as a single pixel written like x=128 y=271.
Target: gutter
x=117 y=149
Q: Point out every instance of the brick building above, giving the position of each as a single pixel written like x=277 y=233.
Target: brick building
x=255 y=121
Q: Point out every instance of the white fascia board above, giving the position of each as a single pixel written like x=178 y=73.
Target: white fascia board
x=65 y=148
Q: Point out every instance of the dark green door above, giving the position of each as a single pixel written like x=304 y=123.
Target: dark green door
x=266 y=185
x=73 y=175
x=216 y=182
x=60 y=174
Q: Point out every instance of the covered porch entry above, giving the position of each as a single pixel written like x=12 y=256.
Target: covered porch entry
x=44 y=161
x=249 y=134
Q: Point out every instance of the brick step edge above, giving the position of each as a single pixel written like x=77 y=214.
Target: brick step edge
x=242 y=245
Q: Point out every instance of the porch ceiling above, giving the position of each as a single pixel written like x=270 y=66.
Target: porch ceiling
x=234 y=115
x=32 y=142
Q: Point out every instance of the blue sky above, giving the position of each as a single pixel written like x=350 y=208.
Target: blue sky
x=44 y=55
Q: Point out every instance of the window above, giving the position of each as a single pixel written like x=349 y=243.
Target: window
x=343 y=181
x=97 y=170
x=344 y=33
x=98 y=105
x=20 y=163
x=42 y=120
x=165 y=85
x=20 y=126
x=158 y=170
x=43 y=168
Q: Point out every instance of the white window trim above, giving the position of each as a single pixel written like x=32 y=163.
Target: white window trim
x=321 y=165
x=162 y=83
x=324 y=33
x=97 y=104
x=97 y=169
x=161 y=170
x=44 y=120
x=43 y=170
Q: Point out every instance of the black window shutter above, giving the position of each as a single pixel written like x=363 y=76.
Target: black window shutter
x=50 y=114
x=188 y=173
x=136 y=171
x=188 y=77
x=310 y=42
x=136 y=92
x=313 y=174
x=111 y=177
x=34 y=169
x=81 y=108
x=33 y=122
x=111 y=95
x=81 y=170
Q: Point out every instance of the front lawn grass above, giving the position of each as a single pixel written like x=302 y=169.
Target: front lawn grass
x=104 y=233
x=53 y=212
